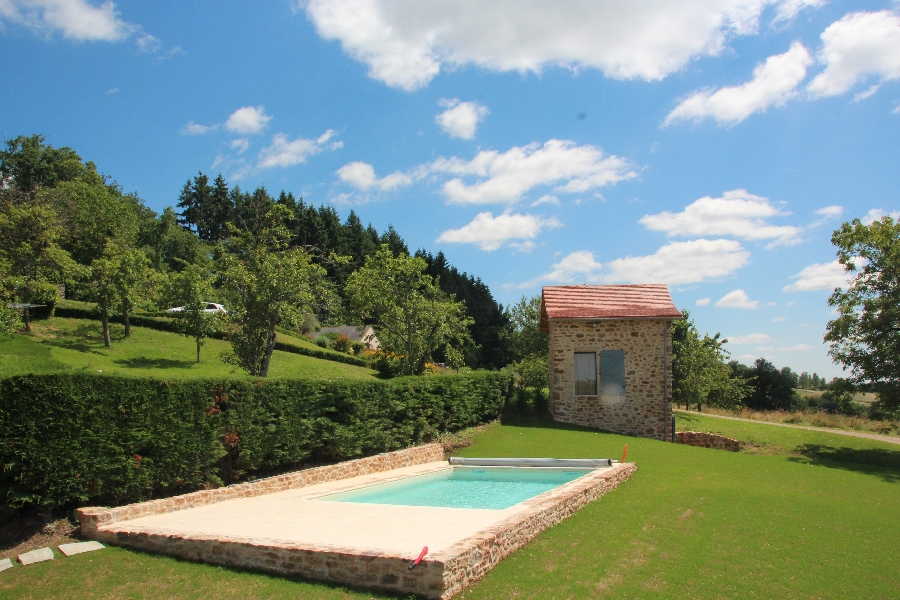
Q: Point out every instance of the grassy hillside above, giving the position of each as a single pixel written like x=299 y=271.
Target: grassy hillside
x=62 y=344
x=802 y=514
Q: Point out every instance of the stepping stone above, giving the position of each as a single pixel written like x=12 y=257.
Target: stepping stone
x=80 y=547
x=5 y=564
x=36 y=556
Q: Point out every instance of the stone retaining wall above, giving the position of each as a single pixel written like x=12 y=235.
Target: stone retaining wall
x=476 y=556
x=707 y=440
x=93 y=517
x=441 y=575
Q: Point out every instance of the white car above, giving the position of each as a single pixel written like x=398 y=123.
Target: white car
x=211 y=307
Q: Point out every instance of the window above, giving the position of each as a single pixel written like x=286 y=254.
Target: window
x=585 y=373
x=612 y=373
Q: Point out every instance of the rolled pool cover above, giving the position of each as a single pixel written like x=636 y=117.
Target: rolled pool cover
x=572 y=463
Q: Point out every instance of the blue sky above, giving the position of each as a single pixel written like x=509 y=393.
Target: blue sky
x=713 y=146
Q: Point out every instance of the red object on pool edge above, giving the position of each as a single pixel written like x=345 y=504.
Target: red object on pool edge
x=416 y=562
x=624 y=454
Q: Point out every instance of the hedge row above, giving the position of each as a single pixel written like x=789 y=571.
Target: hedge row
x=76 y=439
x=169 y=325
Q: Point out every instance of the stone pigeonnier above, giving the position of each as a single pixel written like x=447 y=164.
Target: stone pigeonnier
x=611 y=356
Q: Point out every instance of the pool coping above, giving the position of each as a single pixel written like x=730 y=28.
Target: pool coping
x=441 y=575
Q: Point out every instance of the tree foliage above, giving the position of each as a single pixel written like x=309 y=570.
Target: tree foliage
x=523 y=331
x=267 y=284
x=865 y=336
x=771 y=388
x=700 y=370
x=192 y=288
x=412 y=315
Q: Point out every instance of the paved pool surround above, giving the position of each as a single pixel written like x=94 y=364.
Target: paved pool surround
x=279 y=525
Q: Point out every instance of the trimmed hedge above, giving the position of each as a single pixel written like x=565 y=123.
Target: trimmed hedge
x=169 y=326
x=76 y=439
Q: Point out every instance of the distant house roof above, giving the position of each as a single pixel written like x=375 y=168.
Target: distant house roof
x=354 y=333
x=595 y=302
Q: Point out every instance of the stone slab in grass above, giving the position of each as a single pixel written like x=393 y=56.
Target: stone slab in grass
x=80 y=547
x=36 y=556
x=5 y=564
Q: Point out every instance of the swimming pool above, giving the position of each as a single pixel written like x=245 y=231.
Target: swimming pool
x=464 y=487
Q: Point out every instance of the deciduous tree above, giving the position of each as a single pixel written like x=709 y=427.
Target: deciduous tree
x=411 y=315
x=865 y=336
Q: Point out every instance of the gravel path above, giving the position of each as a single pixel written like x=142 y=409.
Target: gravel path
x=869 y=436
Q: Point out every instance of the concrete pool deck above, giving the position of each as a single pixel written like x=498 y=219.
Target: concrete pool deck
x=291 y=531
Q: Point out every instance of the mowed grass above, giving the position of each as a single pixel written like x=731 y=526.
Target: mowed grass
x=814 y=516
x=59 y=344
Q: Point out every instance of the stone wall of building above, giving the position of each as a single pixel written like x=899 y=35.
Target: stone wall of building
x=707 y=440
x=645 y=409
x=441 y=575
x=93 y=517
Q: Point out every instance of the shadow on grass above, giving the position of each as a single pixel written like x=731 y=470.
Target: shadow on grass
x=880 y=462
x=268 y=575
x=86 y=338
x=153 y=363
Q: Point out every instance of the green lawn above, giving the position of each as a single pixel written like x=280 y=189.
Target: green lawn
x=802 y=515
x=70 y=344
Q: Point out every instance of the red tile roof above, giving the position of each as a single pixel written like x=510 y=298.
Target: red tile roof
x=592 y=302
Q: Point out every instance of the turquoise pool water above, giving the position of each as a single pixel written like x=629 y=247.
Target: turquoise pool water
x=464 y=487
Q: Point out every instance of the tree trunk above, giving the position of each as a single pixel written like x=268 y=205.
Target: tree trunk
x=27 y=320
x=267 y=356
x=127 y=322
x=198 y=349
x=105 y=319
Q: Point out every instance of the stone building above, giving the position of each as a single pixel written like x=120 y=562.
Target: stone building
x=611 y=356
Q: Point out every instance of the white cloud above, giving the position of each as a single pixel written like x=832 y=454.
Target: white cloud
x=795 y=348
x=866 y=93
x=546 y=199
x=876 y=214
x=575 y=266
x=240 y=144
x=820 y=276
x=406 y=44
x=283 y=152
x=505 y=177
x=248 y=119
x=148 y=43
x=831 y=212
x=196 y=129
x=737 y=213
x=789 y=9
x=774 y=83
x=490 y=232
x=737 y=299
x=681 y=262
x=74 y=19
x=461 y=119
x=860 y=45
x=778 y=319
x=362 y=176
x=702 y=302
x=753 y=338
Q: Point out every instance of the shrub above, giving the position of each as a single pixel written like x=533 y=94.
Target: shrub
x=323 y=341
x=68 y=439
x=342 y=344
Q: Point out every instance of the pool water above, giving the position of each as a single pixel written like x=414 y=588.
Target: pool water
x=464 y=487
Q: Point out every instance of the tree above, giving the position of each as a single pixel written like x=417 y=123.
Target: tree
x=772 y=389
x=132 y=279
x=192 y=288
x=700 y=372
x=28 y=164
x=523 y=332
x=103 y=285
x=412 y=316
x=865 y=337
x=267 y=285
